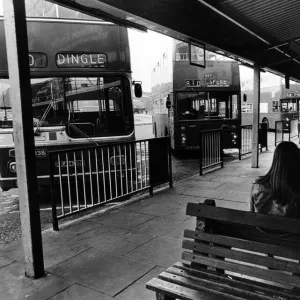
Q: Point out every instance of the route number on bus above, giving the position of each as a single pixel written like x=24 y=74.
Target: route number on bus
x=37 y=60
x=193 y=82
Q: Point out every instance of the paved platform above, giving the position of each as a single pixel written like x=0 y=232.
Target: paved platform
x=113 y=255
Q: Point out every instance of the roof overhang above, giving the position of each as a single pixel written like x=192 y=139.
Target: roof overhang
x=266 y=32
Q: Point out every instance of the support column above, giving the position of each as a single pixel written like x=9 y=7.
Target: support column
x=256 y=106
x=20 y=96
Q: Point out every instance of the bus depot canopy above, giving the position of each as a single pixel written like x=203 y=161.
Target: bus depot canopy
x=266 y=32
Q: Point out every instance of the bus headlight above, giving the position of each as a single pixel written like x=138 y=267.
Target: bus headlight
x=13 y=167
x=234 y=137
x=287 y=119
x=183 y=139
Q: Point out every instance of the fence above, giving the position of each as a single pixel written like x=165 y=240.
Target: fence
x=278 y=132
x=211 y=150
x=84 y=178
x=293 y=129
x=246 y=139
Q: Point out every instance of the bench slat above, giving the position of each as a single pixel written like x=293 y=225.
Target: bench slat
x=256 y=259
x=243 y=244
x=243 y=284
x=183 y=279
x=242 y=269
x=242 y=217
x=184 y=293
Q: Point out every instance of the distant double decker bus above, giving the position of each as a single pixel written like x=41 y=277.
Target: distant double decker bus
x=188 y=99
x=81 y=90
x=276 y=104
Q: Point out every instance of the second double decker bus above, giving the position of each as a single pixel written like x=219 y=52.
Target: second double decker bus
x=198 y=98
x=276 y=104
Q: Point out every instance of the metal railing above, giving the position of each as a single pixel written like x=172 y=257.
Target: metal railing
x=293 y=129
x=83 y=178
x=246 y=138
x=278 y=132
x=211 y=150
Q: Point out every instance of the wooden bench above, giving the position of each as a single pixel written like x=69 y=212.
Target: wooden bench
x=234 y=255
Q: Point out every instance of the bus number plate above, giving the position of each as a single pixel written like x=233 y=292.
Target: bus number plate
x=41 y=153
x=63 y=163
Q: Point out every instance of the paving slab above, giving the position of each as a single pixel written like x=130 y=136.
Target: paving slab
x=14 y=285
x=200 y=192
x=239 y=197
x=136 y=206
x=55 y=251
x=123 y=220
x=158 y=226
x=200 y=184
x=79 y=292
x=116 y=241
x=138 y=291
x=171 y=198
x=241 y=187
x=4 y=262
x=235 y=179
x=159 y=251
x=102 y=271
x=166 y=210
x=73 y=230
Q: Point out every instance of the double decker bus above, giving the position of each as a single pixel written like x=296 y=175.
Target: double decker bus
x=81 y=90
x=277 y=103
x=188 y=99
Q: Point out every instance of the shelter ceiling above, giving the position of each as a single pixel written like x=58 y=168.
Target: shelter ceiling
x=261 y=31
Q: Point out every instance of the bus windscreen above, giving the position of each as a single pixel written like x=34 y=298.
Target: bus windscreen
x=100 y=105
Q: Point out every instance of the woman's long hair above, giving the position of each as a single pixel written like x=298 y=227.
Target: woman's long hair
x=283 y=177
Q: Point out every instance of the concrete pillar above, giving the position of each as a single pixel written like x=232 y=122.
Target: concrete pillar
x=256 y=106
x=20 y=95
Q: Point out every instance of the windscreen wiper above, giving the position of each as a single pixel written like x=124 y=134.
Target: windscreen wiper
x=81 y=133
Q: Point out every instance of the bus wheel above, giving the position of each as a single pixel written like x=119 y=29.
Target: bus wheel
x=265 y=120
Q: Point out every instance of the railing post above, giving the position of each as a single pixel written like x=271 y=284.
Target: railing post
x=150 y=173
x=170 y=163
x=241 y=143
x=290 y=123
x=221 y=149
x=275 y=133
x=20 y=92
x=200 y=155
x=53 y=199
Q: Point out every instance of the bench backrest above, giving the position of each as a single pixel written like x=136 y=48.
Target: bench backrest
x=247 y=245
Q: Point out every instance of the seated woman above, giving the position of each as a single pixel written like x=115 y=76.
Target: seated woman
x=278 y=192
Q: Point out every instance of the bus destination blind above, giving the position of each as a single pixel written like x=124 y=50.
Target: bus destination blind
x=37 y=60
x=80 y=60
